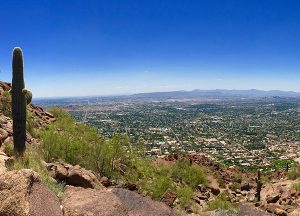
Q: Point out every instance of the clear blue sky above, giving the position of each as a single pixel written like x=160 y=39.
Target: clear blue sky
x=85 y=47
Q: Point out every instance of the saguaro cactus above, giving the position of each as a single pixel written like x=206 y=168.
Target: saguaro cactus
x=258 y=185
x=18 y=102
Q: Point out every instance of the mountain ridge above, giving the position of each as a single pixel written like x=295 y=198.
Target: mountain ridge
x=192 y=93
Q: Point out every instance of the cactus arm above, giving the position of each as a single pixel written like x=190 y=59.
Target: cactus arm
x=28 y=95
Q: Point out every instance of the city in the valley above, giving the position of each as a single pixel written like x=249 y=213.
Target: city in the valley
x=252 y=129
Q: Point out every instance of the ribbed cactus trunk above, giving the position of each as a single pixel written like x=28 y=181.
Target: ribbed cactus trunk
x=18 y=102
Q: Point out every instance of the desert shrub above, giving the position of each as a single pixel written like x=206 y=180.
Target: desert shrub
x=237 y=177
x=294 y=173
x=31 y=125
x=192 y=175
x=58 y=112
x=221 y=182
x=9 y=149
x=5 y=103
x=235 y=186
x=158 y=186
x=184 y=195
x=222 y=201
x=151 y=178
x=296 y=186
x=80 y=144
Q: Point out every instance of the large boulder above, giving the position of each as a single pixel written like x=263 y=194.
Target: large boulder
x=59 y=171
x=214 y=190
x=138 y=205
x=78 y=176
x=276 y=209
x=272 y=198
x=246 y=186
x=105 y=181
x=23 y=194
x=74 y=175
x=79 y=201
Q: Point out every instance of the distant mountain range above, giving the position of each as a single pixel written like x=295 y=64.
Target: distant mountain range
x=221 y=94
x=217 y=93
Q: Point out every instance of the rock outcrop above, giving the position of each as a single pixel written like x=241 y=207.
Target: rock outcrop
x=74 y=175
x=23 y=194
x=79 y=201
x=168 y=197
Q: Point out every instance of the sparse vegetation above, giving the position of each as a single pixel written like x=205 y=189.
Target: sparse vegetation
x=221 y=182
x=222 y=201
x=9 y=149
x=294 y=173
x=80 y=144
x=192 y=175
x=296 y=186
x=184 y=194
x=235 y=186
x=5 y=103
x=238 y=177
x=31 y=125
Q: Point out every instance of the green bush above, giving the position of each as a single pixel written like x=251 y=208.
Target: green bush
x=154 y=179
x=184 y=195
x=294 y=173
x=59 y=112
x=5 y=103
x=238 y=177
x=192 y=175
x=158 y=186
x=9 y=149
x=31 y=125
x=221 y=182
x=80 y=144
x=235 y=186
x=222 y=201
x=296 y=186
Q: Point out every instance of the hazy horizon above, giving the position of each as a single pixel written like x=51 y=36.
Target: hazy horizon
x=114 y=48
x=152 y=92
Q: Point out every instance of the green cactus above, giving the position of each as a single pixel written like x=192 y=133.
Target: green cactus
x=18 y=102
x=258 y=185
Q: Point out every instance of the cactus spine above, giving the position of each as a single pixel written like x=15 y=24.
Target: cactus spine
x=18 y=102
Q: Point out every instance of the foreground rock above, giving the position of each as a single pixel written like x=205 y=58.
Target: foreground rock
x=276 y=209
x=23 y=194
x=79 y=201
x=74 y=175
x=81 y=177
